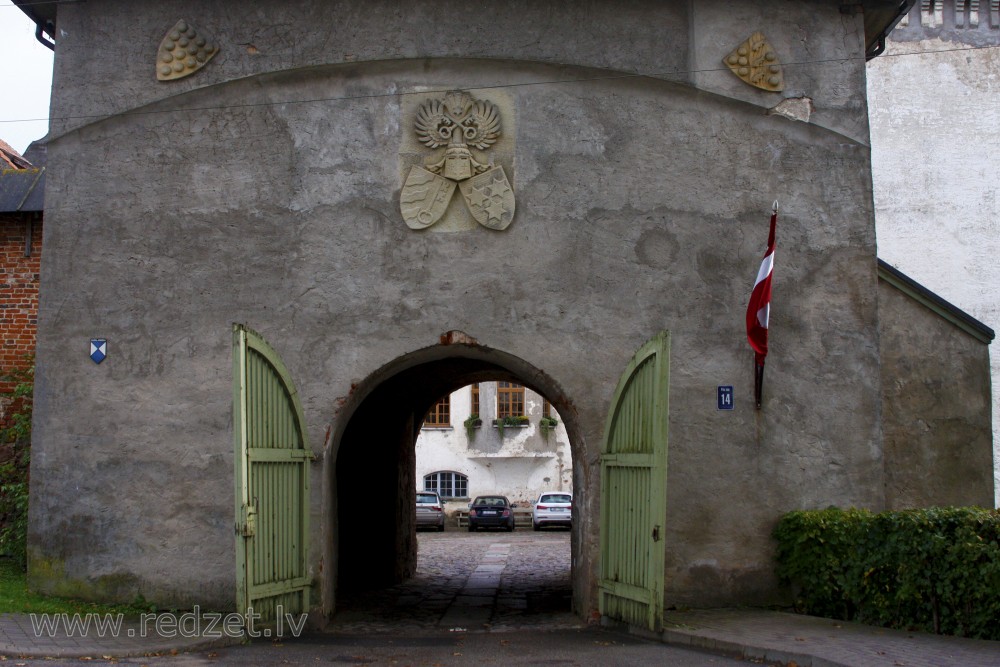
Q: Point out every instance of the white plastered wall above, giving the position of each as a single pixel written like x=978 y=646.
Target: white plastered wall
x=934 y=107
x=520 y=464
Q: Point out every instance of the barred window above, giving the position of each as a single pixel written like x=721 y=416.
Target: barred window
x=447 y=484
x=510 y=400
x=440 y=413
x=475 y=399
x=546 y=408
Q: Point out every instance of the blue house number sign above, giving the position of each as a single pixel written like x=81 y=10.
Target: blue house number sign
x=725 y=397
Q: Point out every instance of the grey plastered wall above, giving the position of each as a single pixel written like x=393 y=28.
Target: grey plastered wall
x=642 y=205
x=936 y=407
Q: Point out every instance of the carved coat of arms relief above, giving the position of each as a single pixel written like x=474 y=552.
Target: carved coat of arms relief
x=453 y=126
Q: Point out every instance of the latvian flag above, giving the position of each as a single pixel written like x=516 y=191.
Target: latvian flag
x=759 y=308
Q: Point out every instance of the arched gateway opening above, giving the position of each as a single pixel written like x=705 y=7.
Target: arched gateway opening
x=373 y=471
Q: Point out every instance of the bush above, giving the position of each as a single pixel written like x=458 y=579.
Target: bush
x=934 y=570
x=15 y=456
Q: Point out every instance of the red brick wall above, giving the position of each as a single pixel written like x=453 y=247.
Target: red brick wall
x=19 y=277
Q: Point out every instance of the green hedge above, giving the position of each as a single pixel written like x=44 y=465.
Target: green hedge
x=934 y=570
x=15 y=458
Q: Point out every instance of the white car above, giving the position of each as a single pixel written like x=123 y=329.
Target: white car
x=553 y=508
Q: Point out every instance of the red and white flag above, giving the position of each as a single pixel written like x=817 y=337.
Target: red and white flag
x=759 y=308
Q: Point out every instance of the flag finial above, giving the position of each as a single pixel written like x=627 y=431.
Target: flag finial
x=775 y=207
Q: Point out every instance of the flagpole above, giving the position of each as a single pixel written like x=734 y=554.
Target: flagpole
x=758 y=382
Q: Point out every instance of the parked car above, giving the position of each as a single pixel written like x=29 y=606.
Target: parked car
x=430 y=510
x=491 y=512
x=553 y=508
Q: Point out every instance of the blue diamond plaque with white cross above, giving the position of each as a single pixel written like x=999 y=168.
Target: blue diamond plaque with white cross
x=98 y=349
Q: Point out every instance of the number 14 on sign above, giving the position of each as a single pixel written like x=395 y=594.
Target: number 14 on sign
x=725 y=397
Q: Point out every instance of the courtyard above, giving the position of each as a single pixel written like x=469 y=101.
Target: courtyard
x=472 y=582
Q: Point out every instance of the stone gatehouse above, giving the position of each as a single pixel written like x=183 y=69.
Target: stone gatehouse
x=393 y=201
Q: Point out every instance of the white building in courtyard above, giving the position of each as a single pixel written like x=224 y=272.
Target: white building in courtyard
x=462 y=450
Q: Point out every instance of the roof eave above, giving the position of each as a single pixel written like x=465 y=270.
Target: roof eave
x=881 y=16
x=935 y=303
x=42 y=14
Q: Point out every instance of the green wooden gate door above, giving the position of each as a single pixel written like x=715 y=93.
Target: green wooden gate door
x=633 y=490
x=272 y=483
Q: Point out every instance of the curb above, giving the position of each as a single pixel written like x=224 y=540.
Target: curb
x=683 y=639
x=728 y=649
x=96 y=652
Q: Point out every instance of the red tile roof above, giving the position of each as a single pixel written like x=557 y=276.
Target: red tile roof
x=10 y=158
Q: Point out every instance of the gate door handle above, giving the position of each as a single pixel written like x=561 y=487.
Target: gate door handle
x=248 y=523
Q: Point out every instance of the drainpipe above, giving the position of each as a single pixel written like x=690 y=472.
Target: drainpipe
x=40 y=34
x=30 y=227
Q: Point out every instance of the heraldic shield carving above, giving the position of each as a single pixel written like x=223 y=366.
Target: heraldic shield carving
x=457 y=123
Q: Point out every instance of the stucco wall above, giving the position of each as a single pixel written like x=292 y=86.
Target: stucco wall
x=935 y=128
x=642 y=205
x=935 y=415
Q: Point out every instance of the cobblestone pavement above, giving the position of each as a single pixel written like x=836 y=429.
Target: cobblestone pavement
x=468 y=582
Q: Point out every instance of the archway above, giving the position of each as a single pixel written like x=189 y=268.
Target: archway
x=372 y=462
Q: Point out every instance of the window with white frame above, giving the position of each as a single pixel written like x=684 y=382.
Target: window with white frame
x=447 y=484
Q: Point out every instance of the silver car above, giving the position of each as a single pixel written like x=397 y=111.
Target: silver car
x=430 y=510
x=553 y=508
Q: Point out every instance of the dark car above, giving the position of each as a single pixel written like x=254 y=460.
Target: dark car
x=491 y=512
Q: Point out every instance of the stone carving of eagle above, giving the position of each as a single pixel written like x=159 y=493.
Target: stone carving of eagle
x=458 y=120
